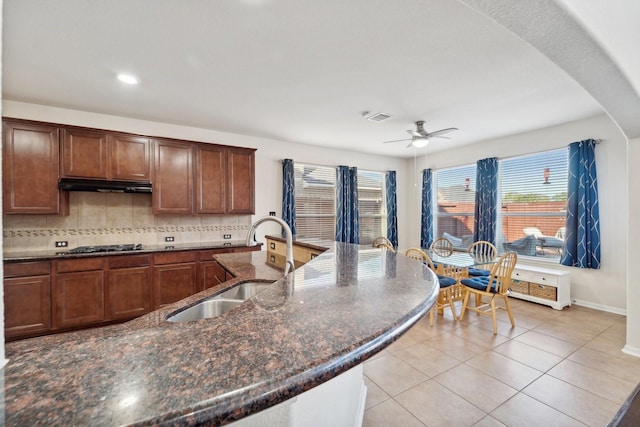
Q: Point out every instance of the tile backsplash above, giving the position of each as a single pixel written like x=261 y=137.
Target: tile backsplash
x=115 y=218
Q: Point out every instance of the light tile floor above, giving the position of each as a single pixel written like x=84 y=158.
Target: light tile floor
x=555 y=368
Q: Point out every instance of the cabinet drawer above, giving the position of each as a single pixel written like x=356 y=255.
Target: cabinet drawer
x=174 y=257
x=522 y=275
x=128 y=261
x=21 y=269
x=86 y=264
x=544 y=279
x=542 y=291
x=520 y=286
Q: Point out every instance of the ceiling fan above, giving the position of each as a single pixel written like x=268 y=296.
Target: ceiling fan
x=420 y=137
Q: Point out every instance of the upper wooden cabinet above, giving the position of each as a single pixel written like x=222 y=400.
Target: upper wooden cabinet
x=211 y=179
x=30 y=169
x=103 y=155
x=203 y=179
x=129 y=158
x=240 y=180
x=173 y=178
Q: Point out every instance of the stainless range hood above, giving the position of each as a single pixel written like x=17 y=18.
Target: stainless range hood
x=104 y=186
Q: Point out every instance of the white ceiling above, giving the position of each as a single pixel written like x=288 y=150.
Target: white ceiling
x=293 y=70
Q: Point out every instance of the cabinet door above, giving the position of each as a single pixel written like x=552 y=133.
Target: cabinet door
x=240 y=181
x=211 y=274
x=78 y=299
x=173 y=282
x=130 y=158
x=84 y=154
x=128 y=293
x=210 y=179
x=27 y=306
x=173 y=178
x=30 y=169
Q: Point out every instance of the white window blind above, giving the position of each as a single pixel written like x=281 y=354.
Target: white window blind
x=315 y=194
x=456 y=201
x=533 y=192
x=371 y=206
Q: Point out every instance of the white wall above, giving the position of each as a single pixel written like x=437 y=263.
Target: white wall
x=604 y=288
x=269 y=153
x=633 y=250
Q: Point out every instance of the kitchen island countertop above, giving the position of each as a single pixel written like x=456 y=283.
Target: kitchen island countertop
x=299 y=332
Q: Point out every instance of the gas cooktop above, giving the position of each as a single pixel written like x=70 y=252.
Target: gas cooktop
x=104 y=248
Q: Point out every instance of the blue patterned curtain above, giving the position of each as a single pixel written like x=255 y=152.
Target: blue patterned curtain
x=288 y=195
x=392 y=207
x=426 y=228
x=486 y=212
x=582 y=241
x=347 y=227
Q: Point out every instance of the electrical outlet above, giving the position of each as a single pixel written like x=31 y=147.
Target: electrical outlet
x=169 y=239
x=62 y=244
x=227 y=236
x=272 y=213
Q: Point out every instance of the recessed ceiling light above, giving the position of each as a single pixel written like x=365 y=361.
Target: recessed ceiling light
x=128 y=79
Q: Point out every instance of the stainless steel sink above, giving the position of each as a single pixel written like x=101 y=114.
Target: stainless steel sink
x=244 y=291
x=213 y=307
x=220 y=304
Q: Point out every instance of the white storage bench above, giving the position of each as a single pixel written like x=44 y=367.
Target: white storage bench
x=542 y=285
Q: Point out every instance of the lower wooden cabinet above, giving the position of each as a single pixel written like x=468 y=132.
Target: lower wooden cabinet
x=78 y=292
x=174 y=277
x=211 y=274
x=27 y=306
x=128 y=287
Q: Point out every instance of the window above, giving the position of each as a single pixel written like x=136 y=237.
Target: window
x=456 y=204
x=371 y=206
x=533 y=192
x=315 y=188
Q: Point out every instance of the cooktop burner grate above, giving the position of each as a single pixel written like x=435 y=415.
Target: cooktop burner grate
x=104 y=248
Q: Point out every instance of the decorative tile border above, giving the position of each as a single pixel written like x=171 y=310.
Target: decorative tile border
x=44 y=232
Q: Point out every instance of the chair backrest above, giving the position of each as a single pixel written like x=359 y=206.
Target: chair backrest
x=420 y=255
x=442 y=246
x=501 y=272
x=483 y=252
x=386 y=246
x=379 y=240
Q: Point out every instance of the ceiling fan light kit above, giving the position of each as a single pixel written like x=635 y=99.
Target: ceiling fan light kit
x=420 y=137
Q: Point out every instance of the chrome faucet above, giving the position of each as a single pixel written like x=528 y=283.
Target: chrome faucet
x=289 y=264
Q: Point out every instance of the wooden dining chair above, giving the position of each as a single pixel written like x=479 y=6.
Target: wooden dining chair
x=491 y=287
x=386 y=246
x=449 y=286
x=484 y=254
x=378 y=240
x=442 y=246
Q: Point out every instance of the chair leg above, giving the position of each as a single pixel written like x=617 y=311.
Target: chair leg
x=493 y=316
x=465 y=301
x=453 y=309
x=431 y=315
x=508 y=307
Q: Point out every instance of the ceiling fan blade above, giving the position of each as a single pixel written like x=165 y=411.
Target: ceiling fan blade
x=398 y=140
x=414 y=133
x=439 y=136
x=440 y=132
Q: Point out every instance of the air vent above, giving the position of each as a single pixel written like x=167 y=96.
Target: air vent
x=376 y=117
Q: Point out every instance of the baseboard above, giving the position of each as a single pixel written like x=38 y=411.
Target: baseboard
x=601 y=307
x=631 y=350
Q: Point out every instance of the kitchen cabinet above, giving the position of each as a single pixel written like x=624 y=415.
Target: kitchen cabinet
x=174 y=277
x=277 y=250
x=173 y=178
x=30 y=169
x=84 y=154
x=211 y=180
x=128 y=292
x=78 y=292
x=240 y=180
x=27 y=299
x=210 y=272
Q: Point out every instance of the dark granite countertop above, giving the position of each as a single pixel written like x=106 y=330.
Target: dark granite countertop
x=63 y=253
x=327 y=317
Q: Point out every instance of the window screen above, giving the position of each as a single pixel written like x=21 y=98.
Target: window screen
x=315 y=193
x=456 y=202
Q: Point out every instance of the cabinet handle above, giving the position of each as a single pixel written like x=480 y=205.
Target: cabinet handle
x=272 y=245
